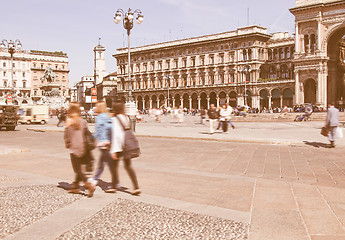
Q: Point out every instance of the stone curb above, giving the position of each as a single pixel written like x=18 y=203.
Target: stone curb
x=9 y=151
x=190 y=138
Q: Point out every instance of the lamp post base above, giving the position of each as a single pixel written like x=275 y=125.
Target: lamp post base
x=131 y=111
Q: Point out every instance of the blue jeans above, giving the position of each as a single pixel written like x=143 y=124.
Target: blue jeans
x=104 y=159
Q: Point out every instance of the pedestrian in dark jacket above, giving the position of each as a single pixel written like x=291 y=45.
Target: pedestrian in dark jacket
x=213 y=116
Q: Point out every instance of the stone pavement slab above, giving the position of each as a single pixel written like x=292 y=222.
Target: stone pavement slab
x=282 y=190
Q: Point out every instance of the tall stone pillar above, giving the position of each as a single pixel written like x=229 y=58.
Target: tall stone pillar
x=150 y=102
x=297 y=89
x=208 y=103
x=190 y=103
x=199 y=103
x=181 y=102
x=173 y=101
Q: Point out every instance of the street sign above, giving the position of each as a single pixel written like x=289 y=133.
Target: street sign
x=87 y=99
x=94 y=99
x=94 y=91
x=9 y=99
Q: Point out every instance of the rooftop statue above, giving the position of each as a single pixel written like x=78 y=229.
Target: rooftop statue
x=48 y=75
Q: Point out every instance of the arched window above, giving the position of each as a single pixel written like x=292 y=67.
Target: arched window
x=245 y=55
x=284 y=72
x=270 y=54
x=306 y=43
x=272 y=72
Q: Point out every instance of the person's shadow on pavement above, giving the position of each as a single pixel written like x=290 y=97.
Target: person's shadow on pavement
x=68 y=186
x=316 y=144
x=105 y=185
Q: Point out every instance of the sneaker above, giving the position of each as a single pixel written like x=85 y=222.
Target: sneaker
x=93 y=181
x=110 y=190
x=136 y=192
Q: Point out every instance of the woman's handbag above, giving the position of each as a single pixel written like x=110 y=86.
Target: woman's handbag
x=324 y=131
x=90 y=142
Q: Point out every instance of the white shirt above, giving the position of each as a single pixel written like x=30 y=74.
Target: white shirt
x=118 y=134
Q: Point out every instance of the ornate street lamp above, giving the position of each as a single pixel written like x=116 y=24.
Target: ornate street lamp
x=11 y=47
x=128 y=23
x=245 y=71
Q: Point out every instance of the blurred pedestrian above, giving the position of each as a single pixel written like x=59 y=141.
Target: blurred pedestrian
x=117 y=143
x=332 y=122
x=103 y=134
x=212 y=115
x=61 y=116
x=74 y=137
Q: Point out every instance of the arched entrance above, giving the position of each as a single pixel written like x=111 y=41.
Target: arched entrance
x=288 y=97
x=222 y=98
x=161 y=101
x=154 y=101
x=147 y=102
x=275 y=102
x=177 y=100
x=203 y=100
x=213 y=98
x=140 y=103
x=264 y=99
x=310 y=91
x=336 y=67
x=233 y=99
x=185 y=100
x=195 y=101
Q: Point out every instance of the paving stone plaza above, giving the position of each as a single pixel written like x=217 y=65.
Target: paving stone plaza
x=268 y=178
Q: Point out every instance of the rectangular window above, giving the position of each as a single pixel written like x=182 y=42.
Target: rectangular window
x=24 y=84
x=4 y=64
x=23 y=74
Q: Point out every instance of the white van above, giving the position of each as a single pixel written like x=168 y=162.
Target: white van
x=33 y=114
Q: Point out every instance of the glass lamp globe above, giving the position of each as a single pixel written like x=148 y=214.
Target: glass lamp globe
x=140 y=19
x=130 y=16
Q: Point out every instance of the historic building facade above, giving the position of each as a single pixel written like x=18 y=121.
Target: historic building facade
x=242 y=67
x=319 y=63
x=247 y=66
x=28 y=68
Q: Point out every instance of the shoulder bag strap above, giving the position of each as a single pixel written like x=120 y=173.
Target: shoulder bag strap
x=123 y=126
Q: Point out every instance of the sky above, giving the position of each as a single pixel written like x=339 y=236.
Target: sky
x=74 y=26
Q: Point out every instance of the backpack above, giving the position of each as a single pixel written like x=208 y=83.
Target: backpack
x=130 y=146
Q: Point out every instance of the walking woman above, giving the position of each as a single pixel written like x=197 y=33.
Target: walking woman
x=119 y=122
x=75 y=141
x=103 y=135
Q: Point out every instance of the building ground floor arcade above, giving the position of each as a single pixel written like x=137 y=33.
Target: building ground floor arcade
x=258 y=95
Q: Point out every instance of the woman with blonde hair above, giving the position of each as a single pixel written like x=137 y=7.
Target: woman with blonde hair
x=103 y=136
x=74 y=137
